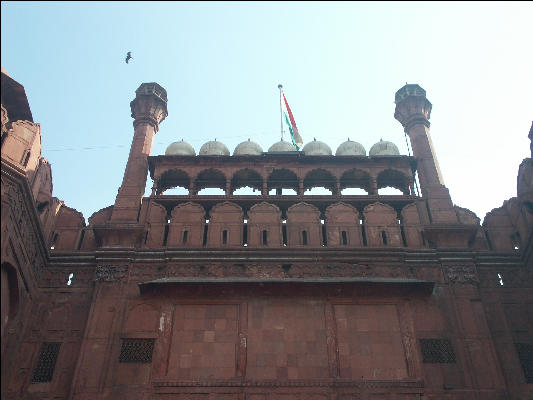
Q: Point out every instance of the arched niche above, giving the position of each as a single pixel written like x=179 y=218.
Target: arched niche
x=264 y=226
x=412 y=226
x=282 y=179
x=355 y=178
x=394 y=179
x=187 y=224
x=156 y=222
x=320 y=178
x=246 y=178
x=225 y=225
x=171 y=179
x=303 y=226
x=343 y=226
x=382 y=226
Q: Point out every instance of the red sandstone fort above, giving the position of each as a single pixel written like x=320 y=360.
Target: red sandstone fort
x=266 y=296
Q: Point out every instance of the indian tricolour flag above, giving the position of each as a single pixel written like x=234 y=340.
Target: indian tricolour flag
x=289 y=119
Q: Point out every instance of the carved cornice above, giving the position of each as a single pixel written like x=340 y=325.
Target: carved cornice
x=293 y=383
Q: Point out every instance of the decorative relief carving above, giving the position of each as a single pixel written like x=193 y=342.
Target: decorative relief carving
x=12 y=197
x=110 y=273
x=465 y=274
x=142 y=273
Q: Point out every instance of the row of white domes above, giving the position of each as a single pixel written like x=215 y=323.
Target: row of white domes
x=314 y=148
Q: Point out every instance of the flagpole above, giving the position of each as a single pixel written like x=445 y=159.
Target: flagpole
x=280 y=110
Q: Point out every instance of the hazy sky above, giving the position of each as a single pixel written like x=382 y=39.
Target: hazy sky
x=340 y=65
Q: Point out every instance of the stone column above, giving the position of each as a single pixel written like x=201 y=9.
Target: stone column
x=373 y=189
x=149 y=109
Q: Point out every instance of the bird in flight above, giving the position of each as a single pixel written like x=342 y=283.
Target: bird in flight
x=128 y=57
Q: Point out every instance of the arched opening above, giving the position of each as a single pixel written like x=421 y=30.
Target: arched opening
x=354 y=192
x=319 y=182
x=393 y=179
x=390 y=191
x=173 y=182
x=355 y=182
x=281 y=179
x=211 y=179
x=246 y=182
x=284 y=192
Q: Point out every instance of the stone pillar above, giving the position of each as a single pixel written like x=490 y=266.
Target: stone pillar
x=228 y=188
x=373 y=189
x=149 y=109
x=301 y=187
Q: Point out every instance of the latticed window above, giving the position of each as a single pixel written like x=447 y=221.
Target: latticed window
x=44 y=370
x=136 y=350
x=437 y=351
x=525 y=354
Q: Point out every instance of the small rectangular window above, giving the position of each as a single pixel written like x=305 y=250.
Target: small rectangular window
x=224 y=237
x=185 y=234
x=265 y=237
x=304 y=237
x=136 y=351
x=44 y=370
x=344 y=238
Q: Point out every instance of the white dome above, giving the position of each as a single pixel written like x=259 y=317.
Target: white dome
x=247 y=148
x=214 y=148
x=282 y=146
x=384 y=148
x=180 y=149
x=350 y=148
x=316 y=148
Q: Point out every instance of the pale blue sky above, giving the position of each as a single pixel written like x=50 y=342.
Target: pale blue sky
x=340 y=65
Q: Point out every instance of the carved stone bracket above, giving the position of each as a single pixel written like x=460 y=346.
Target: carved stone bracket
x=110 y=273
x=462 y=274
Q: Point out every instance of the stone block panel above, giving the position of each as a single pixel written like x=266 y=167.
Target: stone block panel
x=286 y=341
x=370 y=342
x=204 y=342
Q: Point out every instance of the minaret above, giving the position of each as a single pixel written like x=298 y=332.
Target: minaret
x=149 y=109
x=413 y=110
